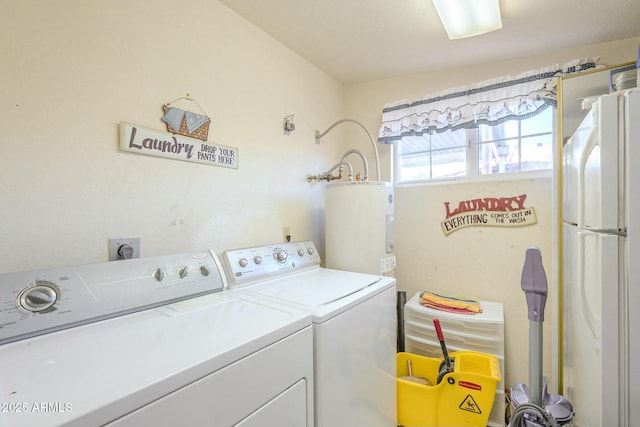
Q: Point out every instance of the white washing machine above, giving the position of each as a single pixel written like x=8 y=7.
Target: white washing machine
x=149 y=342
x=354 y=327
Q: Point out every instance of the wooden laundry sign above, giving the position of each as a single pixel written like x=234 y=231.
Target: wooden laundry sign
x=137 y=139
x=488 y=211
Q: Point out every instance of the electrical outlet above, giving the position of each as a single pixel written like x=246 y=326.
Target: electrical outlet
x=124 y=248
x=286 y=233
x=388 y=265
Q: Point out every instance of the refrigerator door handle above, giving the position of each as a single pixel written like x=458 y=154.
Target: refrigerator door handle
x=592 y=142
x=597 y=169
x=588 y=313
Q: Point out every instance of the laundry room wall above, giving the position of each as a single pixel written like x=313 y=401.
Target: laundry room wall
x=483 y=262
x=72 y=70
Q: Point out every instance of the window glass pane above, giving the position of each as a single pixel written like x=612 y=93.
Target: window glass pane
x=537 y=153
x=507 y=148
x=441 y=155
x=449 y=139
x=500 y=131
x=415 y=167
x=540 y=123
x=498 y=157
x=488 y=160
x=413 y=144
x=449 y=154
x=450 y=163
x=414 y=158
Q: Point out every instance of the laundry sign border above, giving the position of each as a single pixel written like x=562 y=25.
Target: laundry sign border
x=151 y=142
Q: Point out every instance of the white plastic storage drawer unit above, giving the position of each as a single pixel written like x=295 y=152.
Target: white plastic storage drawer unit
x=483 y=332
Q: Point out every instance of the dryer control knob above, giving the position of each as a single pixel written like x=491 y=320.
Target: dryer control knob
x=204 y=270
x=39 y=297
x=243 y=262
x=159 y=274
x=281 y=256
x=183 y=272
x=257 y=259
x=300 y=252
x=310 y=251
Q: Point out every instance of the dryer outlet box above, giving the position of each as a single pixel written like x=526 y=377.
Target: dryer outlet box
x=124 y=248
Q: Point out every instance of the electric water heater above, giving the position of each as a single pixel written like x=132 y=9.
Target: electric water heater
x=359 y=227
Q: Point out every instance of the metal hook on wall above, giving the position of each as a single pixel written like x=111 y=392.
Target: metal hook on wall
x=288 y=124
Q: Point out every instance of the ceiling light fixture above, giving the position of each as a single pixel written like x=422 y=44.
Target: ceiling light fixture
x=468 y=18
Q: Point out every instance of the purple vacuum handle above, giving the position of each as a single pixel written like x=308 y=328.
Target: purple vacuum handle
x=534 y=284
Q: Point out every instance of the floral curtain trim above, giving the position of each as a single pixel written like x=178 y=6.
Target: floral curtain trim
x=490 y=102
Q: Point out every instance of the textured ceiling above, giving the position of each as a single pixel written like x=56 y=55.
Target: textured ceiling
x=361 y=40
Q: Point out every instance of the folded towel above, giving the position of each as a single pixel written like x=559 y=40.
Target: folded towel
x=174 y=117
x=451 y=303
x=194 y=121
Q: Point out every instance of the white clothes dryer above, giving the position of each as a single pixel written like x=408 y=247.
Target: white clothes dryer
x=149 y=342
x=354 y=327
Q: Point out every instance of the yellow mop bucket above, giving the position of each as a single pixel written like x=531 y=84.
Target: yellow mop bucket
x=463 y=397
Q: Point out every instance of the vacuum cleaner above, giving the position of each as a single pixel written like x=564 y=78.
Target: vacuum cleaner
x=533 y=406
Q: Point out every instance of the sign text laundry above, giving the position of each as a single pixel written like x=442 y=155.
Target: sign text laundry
x=488 y=211
x=151 y=142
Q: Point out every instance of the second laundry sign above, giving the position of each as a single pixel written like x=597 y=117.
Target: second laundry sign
x=488 y=211
x=151 y=142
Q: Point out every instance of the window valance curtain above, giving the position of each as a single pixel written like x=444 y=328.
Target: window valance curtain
x=490 y=102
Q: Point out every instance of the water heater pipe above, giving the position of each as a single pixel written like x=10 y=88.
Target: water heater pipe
x=364 y=161
x=375 y=148
x=327 y=176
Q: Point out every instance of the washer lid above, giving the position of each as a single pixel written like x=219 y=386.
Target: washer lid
x=315 y=288
x=324 y=293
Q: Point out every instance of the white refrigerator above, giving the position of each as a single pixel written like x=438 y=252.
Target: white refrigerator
x=601 y=264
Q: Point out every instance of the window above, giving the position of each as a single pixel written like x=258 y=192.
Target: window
x=498 y=128
x=509 y=148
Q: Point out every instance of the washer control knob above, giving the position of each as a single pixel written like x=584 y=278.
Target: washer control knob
x=39 y=297
x=281 y=256
x=257 y=259
x=159 y=274
x=310 y=251
x=300 y=252
x=243 y=262
x=204 y=270
x=183 y=272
